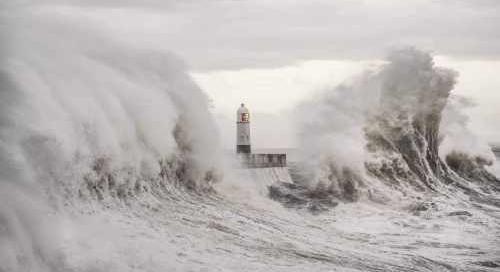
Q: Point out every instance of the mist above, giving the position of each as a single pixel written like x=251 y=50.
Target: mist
x=86 y=117
x=115 y=156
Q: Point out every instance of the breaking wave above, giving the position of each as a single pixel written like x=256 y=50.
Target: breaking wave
x=86 y=120
x=109 y=161
x=379 y=137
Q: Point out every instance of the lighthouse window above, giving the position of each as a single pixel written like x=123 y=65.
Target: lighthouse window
x=245 y=117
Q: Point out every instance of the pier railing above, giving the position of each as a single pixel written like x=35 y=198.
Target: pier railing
x=263 y=160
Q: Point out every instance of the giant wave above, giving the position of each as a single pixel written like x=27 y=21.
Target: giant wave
x=110 y=162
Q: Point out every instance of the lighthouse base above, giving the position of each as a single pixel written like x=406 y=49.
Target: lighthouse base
x=243 y=149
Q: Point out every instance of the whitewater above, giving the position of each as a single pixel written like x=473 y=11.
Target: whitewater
x=110 y=160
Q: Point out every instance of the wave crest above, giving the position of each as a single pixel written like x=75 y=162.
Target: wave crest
x=381 y=133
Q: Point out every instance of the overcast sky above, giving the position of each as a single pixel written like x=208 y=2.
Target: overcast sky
x=234 y=34
x=273 y=54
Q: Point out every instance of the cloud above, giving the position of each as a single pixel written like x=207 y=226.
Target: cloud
x=214 y=35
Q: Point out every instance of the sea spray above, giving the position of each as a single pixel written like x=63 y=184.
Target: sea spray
x=379 y=134
x=413 y=95
x=107 y=158
x=88 y=123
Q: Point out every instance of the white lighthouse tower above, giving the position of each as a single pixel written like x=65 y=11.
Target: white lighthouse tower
x=243 y=130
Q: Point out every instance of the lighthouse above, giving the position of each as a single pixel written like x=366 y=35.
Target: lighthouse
x=247 y=158
x=243 y=130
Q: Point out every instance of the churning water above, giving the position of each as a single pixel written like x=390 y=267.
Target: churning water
x=110 y=161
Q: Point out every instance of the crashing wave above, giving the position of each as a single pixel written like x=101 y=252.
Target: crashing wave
x=383 y=130
x=89 y=124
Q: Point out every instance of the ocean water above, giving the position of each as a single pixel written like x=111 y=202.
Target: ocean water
x=110 y=160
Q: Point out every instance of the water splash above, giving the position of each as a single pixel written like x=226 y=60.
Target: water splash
x=381 y=133
x=86 y=122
